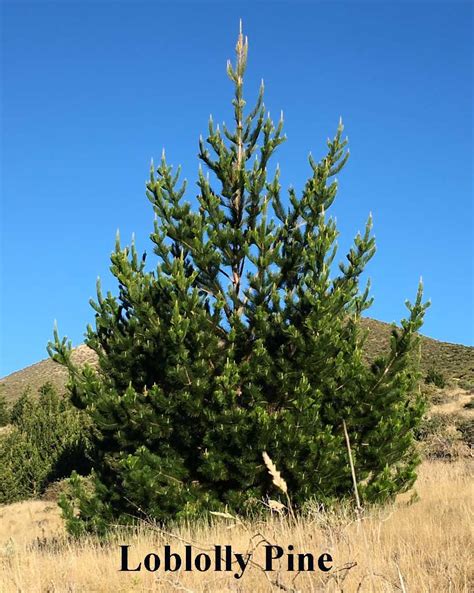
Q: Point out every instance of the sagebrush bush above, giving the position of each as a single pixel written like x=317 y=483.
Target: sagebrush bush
x=466 y=427
x=48 y=439
x=436 y=378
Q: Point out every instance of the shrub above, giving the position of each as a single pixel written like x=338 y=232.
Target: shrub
x=440 y=397
x=23 y=406
x=466 y=427
x=466 y=384
x=4 y=412
x=436 y=378
x=470 y=404
x=47 y=441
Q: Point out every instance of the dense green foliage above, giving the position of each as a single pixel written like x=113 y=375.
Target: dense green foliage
x=47 y=440
x=4 y=412
x=242 y=339
x=436 y=378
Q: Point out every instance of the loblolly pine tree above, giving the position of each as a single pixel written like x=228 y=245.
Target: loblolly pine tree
x=241 y=341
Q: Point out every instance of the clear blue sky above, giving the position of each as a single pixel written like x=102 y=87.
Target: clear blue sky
x=92 y=91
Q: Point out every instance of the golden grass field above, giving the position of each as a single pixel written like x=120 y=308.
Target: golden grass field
x=422 y=543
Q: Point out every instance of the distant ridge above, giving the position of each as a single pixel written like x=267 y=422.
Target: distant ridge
x=37 y=374
x=453 y=360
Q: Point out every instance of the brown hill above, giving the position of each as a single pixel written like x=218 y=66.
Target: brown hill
x=454 y=361
x=38 y=374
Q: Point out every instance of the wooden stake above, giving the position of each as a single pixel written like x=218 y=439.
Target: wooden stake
x=354 y=480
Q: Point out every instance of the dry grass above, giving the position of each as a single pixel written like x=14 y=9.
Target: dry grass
x=455 y=402
x=448 y=428
x=418 y=547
